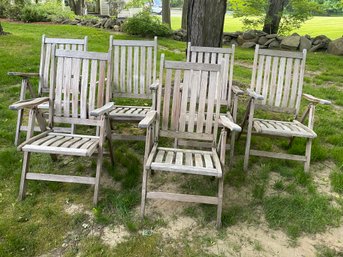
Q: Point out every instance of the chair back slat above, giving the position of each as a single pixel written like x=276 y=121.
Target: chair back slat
x=134 y=67
x=191 y=100
x=81 y=84
x=45 y=68
x=278 y=76
x=214 y=55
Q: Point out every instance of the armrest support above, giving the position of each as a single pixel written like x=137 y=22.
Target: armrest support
x=30 y=103
x=23 y=74
x=254 y=95
x=226 y=122
x=237 y=91
x=154 y=86
x=103 y=110
x=148 y=120
x=316 y=100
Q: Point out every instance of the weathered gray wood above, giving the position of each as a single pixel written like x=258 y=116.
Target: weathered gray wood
x=60 y=178
x=183 y=197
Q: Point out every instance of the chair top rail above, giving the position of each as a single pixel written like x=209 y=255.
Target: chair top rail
x=150 y=43
x=83 y=55
x=65 y=41
x=280 y=53
x=211 y=49
x=191 y=66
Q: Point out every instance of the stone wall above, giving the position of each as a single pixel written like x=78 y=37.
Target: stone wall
x=294 y=42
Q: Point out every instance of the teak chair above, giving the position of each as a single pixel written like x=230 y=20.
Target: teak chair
x=194 y=118
x=229 y=93
x=43 y=76
x=134 y=76
x=276 y=86
x=71 y=103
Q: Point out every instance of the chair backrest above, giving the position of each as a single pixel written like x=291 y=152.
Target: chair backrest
x=278 y=76
x=134 y=67
x=214 y=55
x=190 y=111
x=46 y=56
x=80 y=83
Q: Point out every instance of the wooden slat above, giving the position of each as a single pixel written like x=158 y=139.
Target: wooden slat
x=295 y=77
x=266 y=79
x=188 y=159
x=186 y=169
x=84 y=89
x=92 y=85
x=122 y=69
x=198 y=160
x=183 y=197
x=159 y=156
x=116 y=68
x=273 y=84
x=60 y=178
x=287 y=88
x=175 y=115
x=258 y=86
x=170 y=157
x=179 y=158
x=184 y=100
x=83 y=55
x=149 y=68
x=208 y=161
x=166 y=100
x=278 y=155
x=210 y=103
x=202 y=102
x=133 y=43
x=280 y=84
x=129 y=69
x=136 y=70
x=193 y=99
x=75 y=83
x=46 y=65
x=142 y=71
x=66 y=87
x=101 y=84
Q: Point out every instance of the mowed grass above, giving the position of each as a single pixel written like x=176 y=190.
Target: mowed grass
x=318 y=25
x=40 y=224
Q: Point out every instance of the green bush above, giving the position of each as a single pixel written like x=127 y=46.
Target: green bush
x=144 y=24
x=48 y=11
x=3 y=5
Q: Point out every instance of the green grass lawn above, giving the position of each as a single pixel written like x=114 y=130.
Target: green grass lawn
x=329 y=26
x=40 y=223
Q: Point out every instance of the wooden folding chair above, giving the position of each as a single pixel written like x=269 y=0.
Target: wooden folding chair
x=43 y=76
x=229 y=93
x=71 y=103
x=277 y=86
x=188 y=113
x=134 y=77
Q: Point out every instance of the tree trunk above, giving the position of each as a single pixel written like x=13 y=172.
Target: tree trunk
x=274 y=15
x=166 y=12
x=78 y=6
x=184 y=14
x=205 y=22
x=2 y=32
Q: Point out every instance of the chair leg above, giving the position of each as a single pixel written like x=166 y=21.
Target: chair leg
x=17 y=130
x=97 y=176
x=232 y=148
x=220 y=201
x=144 y=191
x=25 y=168
x=247 y=148
x=308 y=155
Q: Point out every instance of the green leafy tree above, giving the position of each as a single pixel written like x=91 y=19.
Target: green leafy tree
x=276 y=16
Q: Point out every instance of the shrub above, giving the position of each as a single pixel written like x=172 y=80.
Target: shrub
x=144 y=24
x=48 y=11
x=3 y=5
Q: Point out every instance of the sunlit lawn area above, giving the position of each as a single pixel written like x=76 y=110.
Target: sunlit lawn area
x=276 y=198
x=329 y=26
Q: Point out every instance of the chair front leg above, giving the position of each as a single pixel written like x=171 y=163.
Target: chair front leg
x=102 y=132
x=248 y=140
x=312 y=108
x=109 y=138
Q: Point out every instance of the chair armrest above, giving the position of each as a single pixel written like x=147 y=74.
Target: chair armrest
x=154 y=86
x=316 y=100
x=23 y=74
x=103 y=110
x=237 y=91
x=148 y=120
x=30 y=103
x=226 y=122
x=254 y=95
